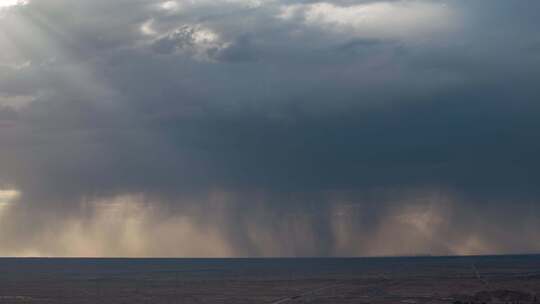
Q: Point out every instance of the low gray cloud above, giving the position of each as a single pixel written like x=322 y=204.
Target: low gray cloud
x=250 y=128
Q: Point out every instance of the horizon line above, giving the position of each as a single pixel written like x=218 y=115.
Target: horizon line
x=273 y=257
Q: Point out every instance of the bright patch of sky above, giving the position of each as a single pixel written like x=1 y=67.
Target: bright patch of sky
x=380 y=19
x=10 y=3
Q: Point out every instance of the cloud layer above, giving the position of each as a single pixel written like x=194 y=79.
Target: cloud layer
x=268 y=128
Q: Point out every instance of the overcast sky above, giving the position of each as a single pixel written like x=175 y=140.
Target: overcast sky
x=269 y=127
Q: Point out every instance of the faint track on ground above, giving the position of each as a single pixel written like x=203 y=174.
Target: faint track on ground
x=478 y=275
x=304 y=294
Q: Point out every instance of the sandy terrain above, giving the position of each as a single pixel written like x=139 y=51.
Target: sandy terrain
x=408 y=281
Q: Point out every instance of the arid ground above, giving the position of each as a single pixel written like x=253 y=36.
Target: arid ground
x=503 y=279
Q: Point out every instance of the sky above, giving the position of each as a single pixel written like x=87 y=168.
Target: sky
x=250 y=128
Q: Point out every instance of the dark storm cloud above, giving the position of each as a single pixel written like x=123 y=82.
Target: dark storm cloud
x=276 y=128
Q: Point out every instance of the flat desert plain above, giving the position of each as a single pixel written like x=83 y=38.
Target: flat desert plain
x=407 y=280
